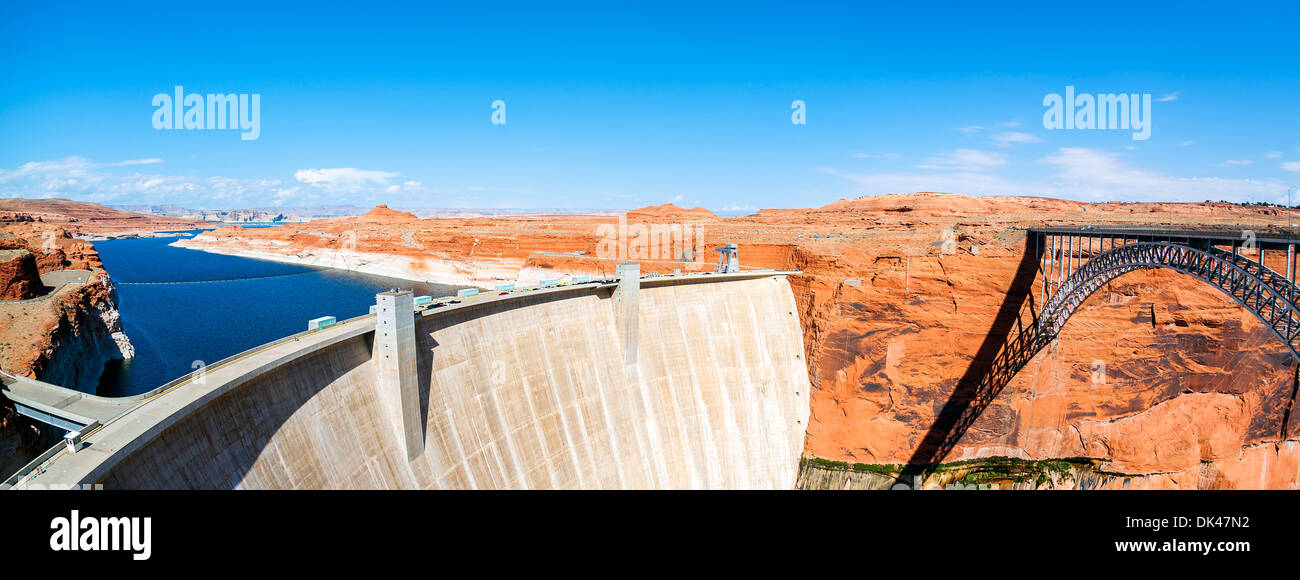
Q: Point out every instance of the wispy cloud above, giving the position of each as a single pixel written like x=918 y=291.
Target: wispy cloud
x=1291 y=165
x=982 y=128
x=68 y=166
x=1005 y=139
x=1273 y=155
x=972 y=160
x=83 y=179
x=861 y=155
x=121 y=182
x=343 y=178
x=1075 y=173
x=1237 y=162
x=1168 y=97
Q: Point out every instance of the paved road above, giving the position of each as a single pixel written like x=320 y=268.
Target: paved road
x=55 y=281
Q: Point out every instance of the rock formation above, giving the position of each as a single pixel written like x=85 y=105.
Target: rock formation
x=62 y=335
x=19 y=279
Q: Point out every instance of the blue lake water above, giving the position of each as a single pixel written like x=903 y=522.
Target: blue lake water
x=224 y=305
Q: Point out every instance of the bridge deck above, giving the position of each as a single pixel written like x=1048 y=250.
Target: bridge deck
x=1224 y=235
x=62 y=403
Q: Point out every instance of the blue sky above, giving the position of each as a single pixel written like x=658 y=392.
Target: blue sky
x=620 y=105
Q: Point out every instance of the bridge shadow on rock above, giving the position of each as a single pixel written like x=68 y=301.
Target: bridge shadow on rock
x=1009 y=344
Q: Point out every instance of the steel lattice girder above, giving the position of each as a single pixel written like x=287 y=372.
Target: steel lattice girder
x=1265 y=293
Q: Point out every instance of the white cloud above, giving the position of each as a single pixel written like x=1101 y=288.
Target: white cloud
x=1007 y=138
x=981 y=128
x=68 y=166
x=112 y=183
x=861 y=155
x=283 y=195
x=1273 y=155
x=1076 y=173
x=1168 y=97
x=1238 y=162
x=121 y=183
x=971 y=160
x=953 y=182
x=1186 y=143
x=1291 y=165
x=343 y=178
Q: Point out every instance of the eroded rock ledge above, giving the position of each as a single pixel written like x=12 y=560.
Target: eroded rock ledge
x=63 y=335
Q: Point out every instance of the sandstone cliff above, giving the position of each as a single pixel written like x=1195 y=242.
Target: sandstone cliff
x=64 y=335
x=19 y=279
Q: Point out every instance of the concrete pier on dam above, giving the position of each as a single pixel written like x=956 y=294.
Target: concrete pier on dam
x=690 y=381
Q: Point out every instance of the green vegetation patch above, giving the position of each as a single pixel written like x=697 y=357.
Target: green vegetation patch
x=989 y=470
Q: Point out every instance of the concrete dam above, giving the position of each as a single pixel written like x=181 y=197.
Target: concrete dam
x=689 y=381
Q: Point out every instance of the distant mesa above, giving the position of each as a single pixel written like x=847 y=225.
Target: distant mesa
x=669 y=210
x=85 y=218
x=383 y=212
x=931 y=203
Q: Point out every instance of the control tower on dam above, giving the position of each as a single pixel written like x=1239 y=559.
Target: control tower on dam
x=689 y=381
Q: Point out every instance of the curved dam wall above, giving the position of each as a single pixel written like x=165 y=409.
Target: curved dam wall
x=529 y=391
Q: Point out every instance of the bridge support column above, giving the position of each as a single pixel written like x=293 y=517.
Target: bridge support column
x=627 y=309
x=1290 y=263
x=395 y=367
x=1059 y=255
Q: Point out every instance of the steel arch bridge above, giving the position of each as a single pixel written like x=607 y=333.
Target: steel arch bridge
x=1265 y=293
x=1062 y=267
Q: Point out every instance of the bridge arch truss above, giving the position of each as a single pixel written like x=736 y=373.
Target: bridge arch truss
x=1267 y=294
x=1073 y=263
